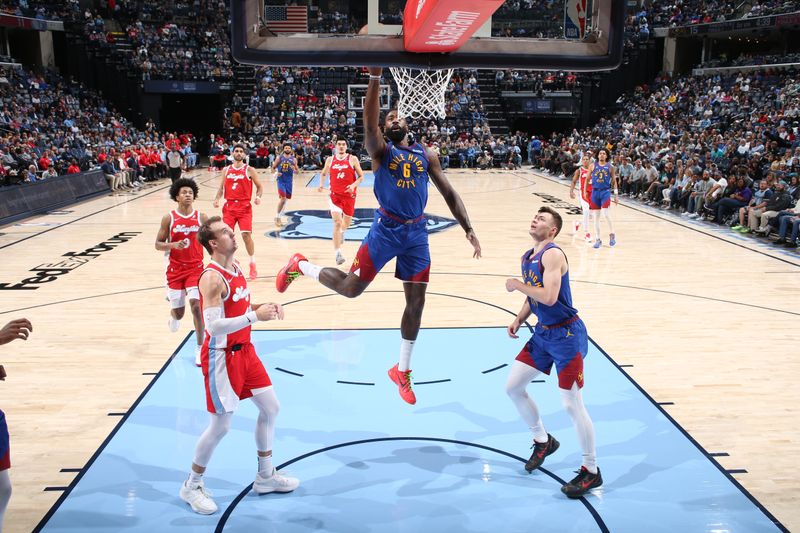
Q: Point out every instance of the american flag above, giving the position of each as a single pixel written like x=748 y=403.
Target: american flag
x=286 y=19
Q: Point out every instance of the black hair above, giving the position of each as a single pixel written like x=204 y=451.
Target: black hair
x=179 y=184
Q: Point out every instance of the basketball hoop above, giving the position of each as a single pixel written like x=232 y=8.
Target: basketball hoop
x=421 y=92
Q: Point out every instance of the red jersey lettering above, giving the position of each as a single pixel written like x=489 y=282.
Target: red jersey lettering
x=342 y=175
x=185 y=228
x=235 y=303
x=238 y=185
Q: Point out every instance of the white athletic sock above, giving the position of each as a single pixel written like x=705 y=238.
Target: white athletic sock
x=406 y=347
x=194 y=479
x=573 y=402
x=252 y=260
x=309 y=269
x=265 y=466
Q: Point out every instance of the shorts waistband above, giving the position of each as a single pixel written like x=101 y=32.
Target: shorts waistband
x=567 y=322
x=398 y=219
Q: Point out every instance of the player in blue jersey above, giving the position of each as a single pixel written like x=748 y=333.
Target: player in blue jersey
x=20 y=328
x=604 y=180
x=399 y=228
x=285 y=166
x=559 y=338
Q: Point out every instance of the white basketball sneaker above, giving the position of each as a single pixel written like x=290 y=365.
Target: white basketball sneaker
x=339 y=258
x=275 y=483
x=197 y=356
x=174 y=325
x=198 y=498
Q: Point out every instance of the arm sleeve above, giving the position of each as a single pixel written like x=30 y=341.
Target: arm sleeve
x=216 y=325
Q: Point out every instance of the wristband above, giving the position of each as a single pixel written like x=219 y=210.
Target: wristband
x=469 y=228
x=251 y=316
x=374 y=77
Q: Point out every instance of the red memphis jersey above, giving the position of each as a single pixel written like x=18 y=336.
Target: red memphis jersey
x=342 y=175
x=185 y=228
x=235 y=303
x=238 y=185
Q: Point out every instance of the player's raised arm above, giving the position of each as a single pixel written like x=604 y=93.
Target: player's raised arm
x=373 y=136
x=453 y=200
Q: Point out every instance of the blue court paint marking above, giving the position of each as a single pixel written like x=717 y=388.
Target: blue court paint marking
x=116 y=414
x=279 y=369
x=719 y=454
x=131 y=484
x=625 y=366
x=369 y=180
x=666 y=403
x=537 y=381
x=149 y=373
x=54 y=489
x=432 y=382
x=495 y=368
x=70 y=469
x=736 y=471
x=229 y=510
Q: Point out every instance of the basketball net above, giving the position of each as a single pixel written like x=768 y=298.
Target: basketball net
x=421 y=92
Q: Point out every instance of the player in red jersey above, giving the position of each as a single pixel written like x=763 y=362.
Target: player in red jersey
x=178 y=236
x=231 y=367
x=583 y=179
x=237 y=187
x=345 y=176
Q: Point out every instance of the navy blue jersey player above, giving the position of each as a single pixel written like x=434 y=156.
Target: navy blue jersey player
x=399 y=229
x=559 y=339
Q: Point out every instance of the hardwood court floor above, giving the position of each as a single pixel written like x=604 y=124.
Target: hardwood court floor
x=707 y=319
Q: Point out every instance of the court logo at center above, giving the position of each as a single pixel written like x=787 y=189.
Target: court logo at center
x=317 y=224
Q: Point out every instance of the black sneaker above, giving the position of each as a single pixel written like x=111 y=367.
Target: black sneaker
x=540 y=451
x=582 y=483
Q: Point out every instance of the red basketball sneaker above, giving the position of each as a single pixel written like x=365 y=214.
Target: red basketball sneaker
x=289 y=273
x=253 y=272
x=403 y=381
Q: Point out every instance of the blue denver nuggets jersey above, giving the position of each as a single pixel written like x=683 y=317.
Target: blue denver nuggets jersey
x=401 y=182
x=533 y=275
x=601 y=177
x=285 y=167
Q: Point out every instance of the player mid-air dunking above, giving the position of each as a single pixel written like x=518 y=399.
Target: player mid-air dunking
x=402 y=172
x=237 y=187
x=178 y=236
x=345 y=176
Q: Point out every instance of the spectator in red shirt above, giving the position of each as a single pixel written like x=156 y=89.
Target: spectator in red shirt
x=73 y=167
x=45 y=161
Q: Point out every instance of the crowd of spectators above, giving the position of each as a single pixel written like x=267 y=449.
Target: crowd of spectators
x=687 y=12
x=50 y=126
x=294 y=105
x=752 y=59
x=709 y=147
x=41 y=9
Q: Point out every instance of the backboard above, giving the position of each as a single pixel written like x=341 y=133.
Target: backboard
x=586 y=36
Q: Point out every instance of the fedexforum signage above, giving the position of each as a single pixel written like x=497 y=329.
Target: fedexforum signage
x=48 y=272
